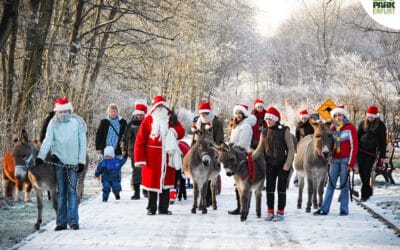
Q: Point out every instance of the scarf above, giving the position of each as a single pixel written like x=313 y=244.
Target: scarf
x=112 y=135
x=337 y=135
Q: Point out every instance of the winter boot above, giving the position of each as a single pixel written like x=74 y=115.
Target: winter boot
x=136 y=195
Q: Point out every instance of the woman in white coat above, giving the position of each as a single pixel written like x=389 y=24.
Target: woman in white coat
x=241 y=135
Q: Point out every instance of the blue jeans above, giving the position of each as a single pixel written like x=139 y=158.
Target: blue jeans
x=67 y=196
x=338 y=168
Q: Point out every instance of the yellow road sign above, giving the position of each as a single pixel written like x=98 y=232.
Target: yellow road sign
x=325 y=109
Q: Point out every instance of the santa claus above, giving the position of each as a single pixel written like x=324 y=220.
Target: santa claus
x=156 y=143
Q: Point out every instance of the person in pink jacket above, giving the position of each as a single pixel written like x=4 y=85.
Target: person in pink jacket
x=156 y=150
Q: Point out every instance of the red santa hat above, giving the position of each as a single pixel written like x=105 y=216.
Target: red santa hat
x=304 y=114
x=140 y=109
x=157 y=101
x=340 y=110
x=242 y=108
x=372 y=111
x=273 y=114
x=62 y=104
x=204 y=107
x=259 y=103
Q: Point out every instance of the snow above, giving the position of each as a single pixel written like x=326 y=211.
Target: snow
x=124 y=224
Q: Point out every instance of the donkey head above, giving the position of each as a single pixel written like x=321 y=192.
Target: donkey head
x=24 y=154
x=204 y=149
x=228 y=157
x=323 y=140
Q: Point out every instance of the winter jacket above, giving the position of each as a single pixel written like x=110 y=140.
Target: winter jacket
x=129 y=136
x=348 y=144
x=150 y=154
x=217 y=129
x=372 y=137
x=258 y=127
x=45 y=124
x=110 y=169
x=102 y=131
x=66 y=140
x=279 y=149
x=303 y=129
x=241 y=135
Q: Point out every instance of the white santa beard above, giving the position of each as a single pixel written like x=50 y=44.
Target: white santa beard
x=205 y=119
x=159 y=125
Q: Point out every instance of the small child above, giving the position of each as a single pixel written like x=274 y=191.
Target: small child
x=110 y=171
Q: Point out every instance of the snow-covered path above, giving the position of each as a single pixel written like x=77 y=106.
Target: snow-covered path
x=124 y=225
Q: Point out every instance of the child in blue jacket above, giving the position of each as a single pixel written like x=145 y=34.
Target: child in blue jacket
x=110 y=170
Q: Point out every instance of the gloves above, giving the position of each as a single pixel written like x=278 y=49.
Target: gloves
x=173 y=119
x=38 y=161
x=80 y=167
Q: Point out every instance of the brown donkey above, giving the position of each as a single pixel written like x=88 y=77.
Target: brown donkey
x=311 y=162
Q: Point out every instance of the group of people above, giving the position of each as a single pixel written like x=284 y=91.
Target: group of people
x=150 y=139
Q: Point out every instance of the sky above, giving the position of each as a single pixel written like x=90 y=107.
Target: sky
x=123 y=224
x=271 y=14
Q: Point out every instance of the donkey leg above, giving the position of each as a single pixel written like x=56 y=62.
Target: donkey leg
x=258 y=201
x=39 y=201
x=203 y=199
x=245 y=202
x=214 y=194
x=320 y=193
x=19 y=192
x=27 y=188
x=310 y=189
x=195 y=196
x=300 y=194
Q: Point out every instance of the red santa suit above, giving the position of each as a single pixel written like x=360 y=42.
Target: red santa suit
x=150 y=153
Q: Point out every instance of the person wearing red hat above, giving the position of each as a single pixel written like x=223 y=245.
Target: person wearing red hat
x=344 y=157
x=259 y=112
x=303 y=128
x=110 y=131
x=127 y=143
x=209 y=123
x=156 y=151
x=277 y=147
x=65 y=140
x=372 y=148
x=241 y=135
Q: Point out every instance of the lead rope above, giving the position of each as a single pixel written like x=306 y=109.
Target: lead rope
x=67 y=166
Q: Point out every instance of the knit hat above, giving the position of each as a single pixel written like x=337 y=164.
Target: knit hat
x=273 y=114
x=159 y=100
x=109 y=151
x=340 y=110
x=242 y=108
x=258 y=103
x=304 y=114
x=140 y=109
x=62 y=104
x=204 y=107
x=372 y=111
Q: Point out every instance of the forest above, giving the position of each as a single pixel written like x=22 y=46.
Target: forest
x=97 y=52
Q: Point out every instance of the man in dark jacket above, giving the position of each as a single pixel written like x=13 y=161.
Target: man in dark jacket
x=372 y=148
x=127 y=144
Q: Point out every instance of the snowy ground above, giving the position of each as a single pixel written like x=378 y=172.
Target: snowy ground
x=124 y=225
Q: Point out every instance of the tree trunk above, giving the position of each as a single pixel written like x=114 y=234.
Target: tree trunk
x=33 y=61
